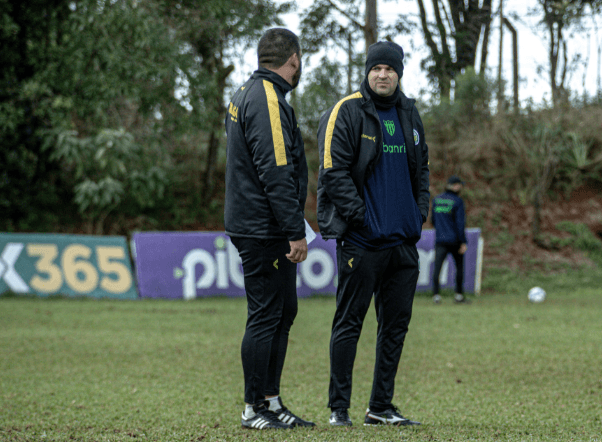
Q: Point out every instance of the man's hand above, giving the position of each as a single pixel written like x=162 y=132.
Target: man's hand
x=462 y=249
x=298 y=251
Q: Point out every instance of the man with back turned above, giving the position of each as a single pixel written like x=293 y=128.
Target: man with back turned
x=266 y=188
x=449 y=220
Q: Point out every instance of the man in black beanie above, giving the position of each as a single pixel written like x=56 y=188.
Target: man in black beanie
x=373 y=197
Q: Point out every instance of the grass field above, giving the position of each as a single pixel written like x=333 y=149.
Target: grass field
x=499 y=369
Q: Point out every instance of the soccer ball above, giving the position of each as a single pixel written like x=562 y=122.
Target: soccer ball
x=537 y=294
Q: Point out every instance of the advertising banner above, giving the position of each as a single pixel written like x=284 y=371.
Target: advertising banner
x=72 y=265
x=189 y=265
x=197 y=264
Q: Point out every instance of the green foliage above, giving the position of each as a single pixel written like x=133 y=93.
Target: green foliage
x=451 y=125
x=469 y=108
x=472 y=96
x=321 y=23
x=583 y=239
x=215 y=33
x=84 y=66
x=321 y=90
x=544 y=156
x=25 y=28
x=111 y=51
x=105 y=103
x=516 y=155
x=152 y=77
x=501 y=241
x=111 y=172
x=578 y=163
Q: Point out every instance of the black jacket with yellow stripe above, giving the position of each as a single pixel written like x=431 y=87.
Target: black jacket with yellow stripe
x=350 y=140
x=266 y=170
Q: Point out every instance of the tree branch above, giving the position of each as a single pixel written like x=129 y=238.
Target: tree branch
x=349 y=17
x=428 y=36
x=442 y=30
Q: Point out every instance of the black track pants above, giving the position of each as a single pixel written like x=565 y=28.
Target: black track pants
x=441 y=252
x=270 y=285
x=391 y=275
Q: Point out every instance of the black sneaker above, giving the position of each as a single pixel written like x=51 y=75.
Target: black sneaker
x=286 y=416
x=388 y=417
x=264 y=419
x=340 y=417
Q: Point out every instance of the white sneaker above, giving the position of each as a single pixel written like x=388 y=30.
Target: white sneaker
x=388 y=417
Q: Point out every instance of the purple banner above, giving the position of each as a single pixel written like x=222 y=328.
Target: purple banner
x=190 y=265
x=447 y=277
x=198 y=264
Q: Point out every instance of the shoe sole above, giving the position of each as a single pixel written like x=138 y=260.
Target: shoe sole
x=296 y=422
x=244 y=427
x=376 y=422
x=305 y=425
x=341 y=424
x=267 y=427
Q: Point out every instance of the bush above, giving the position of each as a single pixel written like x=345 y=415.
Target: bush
x=112 y=172
x=583 y=239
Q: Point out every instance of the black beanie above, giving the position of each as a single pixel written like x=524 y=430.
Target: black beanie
x=385 y=52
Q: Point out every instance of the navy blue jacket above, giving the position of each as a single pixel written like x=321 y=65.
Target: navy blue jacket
x=266 y=169
x=449 y=219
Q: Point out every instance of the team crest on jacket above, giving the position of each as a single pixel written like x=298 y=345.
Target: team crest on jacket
x=390 y=125
x=416 y=137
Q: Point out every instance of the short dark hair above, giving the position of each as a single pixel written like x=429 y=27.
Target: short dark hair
x=276 y=46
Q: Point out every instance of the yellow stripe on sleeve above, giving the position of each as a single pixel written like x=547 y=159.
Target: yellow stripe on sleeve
x=274 y=110
x=330 y=129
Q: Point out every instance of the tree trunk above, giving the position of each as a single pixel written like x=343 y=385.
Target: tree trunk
x=371 y=25
x=485 y=47
x=557 y=46
x=445 y=87
x=349 y=64
x=461 y=27
x=500 y=82
x=216 y=127
x=599 y=69
x=443 y=62
x=514 y=63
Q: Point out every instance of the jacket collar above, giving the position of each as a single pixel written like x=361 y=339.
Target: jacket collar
x=402 y=102
x=274 y=78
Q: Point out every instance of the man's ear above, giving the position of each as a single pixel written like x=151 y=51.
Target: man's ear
x=294 y=61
